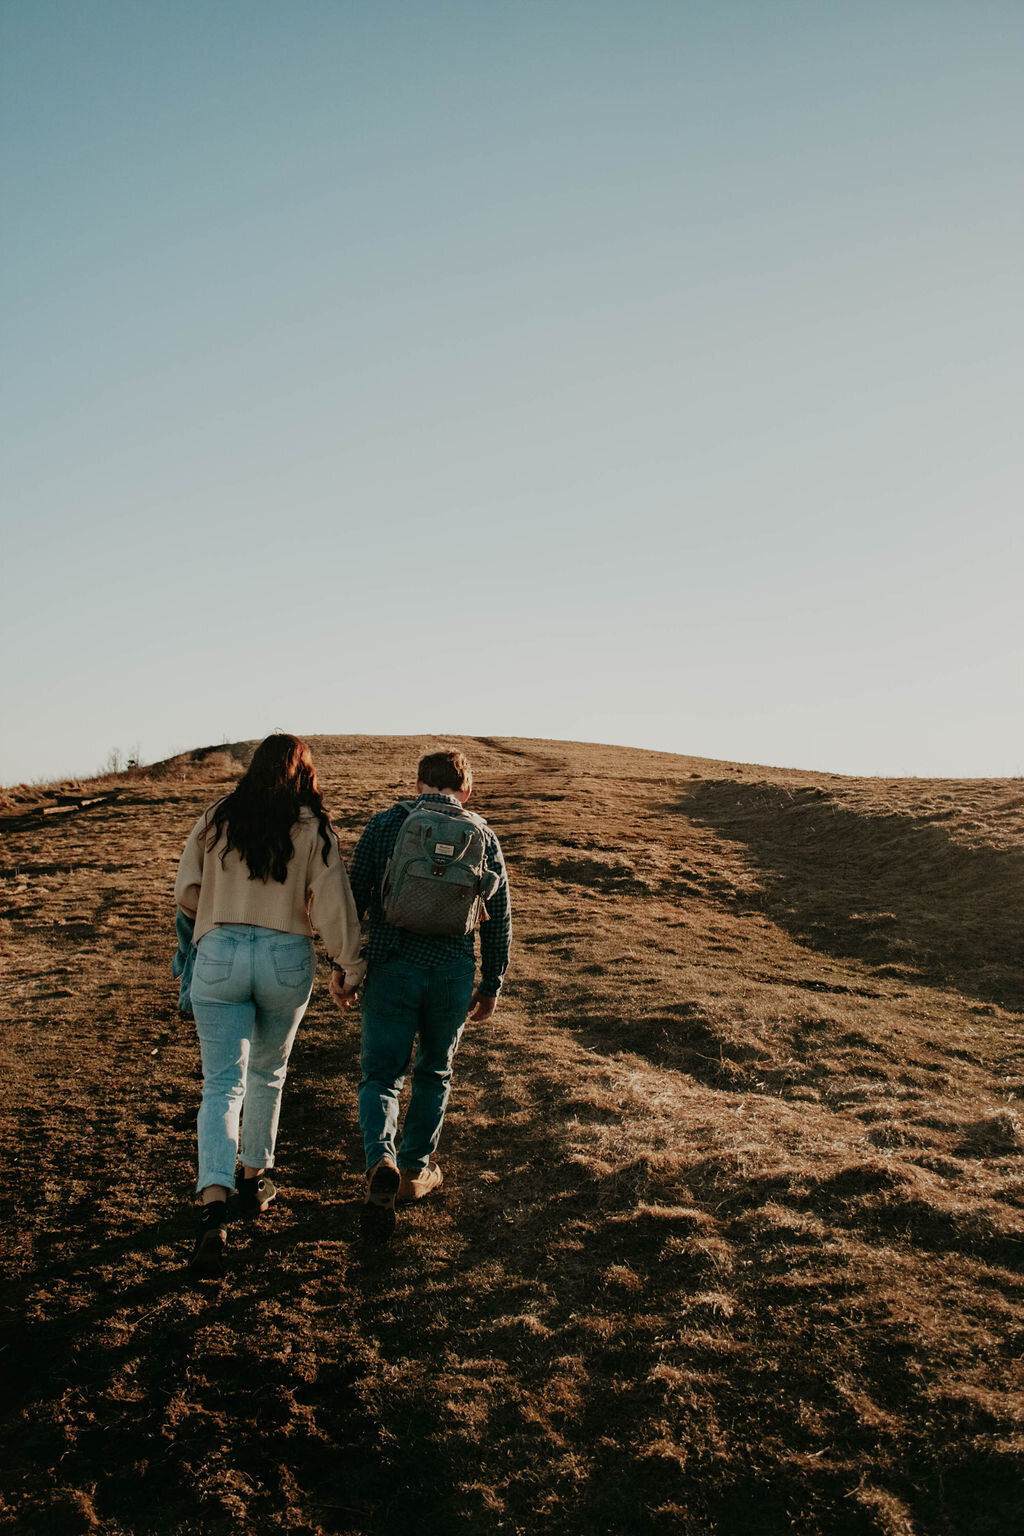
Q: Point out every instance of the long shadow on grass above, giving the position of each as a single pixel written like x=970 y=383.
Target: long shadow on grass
x=230 y=1402
x=203 y=1399
x=893 y=891
x=620 y=1355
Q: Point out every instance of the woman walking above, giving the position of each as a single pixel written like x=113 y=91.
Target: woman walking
x=260 y=872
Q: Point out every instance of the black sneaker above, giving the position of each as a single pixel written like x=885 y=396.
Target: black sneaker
x=377 y=1218
x=255 y=1194
x=207 y=1261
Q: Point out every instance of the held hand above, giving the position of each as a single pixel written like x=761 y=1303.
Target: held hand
x=339 y=995
x=481 y=1008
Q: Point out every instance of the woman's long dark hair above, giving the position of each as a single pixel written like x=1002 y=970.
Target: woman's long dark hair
x=264 y=806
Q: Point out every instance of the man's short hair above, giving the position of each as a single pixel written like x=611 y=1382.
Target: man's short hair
x=445 y=770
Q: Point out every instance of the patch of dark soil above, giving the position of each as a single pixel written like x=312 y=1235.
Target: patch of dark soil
x=811 y=984
x=499 y=746
x=593 y=874
x=686 y=1041
x=882 y=1203
x=999 y=1135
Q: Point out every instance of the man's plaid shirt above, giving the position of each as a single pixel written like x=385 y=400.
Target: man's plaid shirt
x=366 y=875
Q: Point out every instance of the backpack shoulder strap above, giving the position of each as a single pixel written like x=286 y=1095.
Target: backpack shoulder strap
x=458 y=811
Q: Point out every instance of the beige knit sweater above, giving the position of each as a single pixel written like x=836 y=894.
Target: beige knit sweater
x=314 y=897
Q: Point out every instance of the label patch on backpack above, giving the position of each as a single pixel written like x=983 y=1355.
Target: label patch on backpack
x=444 y=849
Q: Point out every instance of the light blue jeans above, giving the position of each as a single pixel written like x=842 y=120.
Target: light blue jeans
x=250 y=988
x=400 y=1001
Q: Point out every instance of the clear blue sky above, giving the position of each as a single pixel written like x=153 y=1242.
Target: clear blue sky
x=637 y=372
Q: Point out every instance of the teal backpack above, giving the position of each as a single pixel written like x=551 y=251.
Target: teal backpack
x=436 y=881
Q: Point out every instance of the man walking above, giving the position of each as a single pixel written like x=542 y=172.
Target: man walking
x=430 y=874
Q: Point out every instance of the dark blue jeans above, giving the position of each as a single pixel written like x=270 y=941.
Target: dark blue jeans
x=400 y=1002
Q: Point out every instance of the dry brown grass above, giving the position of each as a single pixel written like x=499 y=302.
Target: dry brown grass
x=730 y=1240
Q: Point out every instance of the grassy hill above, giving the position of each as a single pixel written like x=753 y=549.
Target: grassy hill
x=730 y=1239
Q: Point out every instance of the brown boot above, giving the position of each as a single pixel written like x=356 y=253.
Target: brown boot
x=378 y=1213
x=418 y=1183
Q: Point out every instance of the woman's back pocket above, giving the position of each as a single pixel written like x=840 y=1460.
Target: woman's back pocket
x=293 y=961
x=215 y=957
